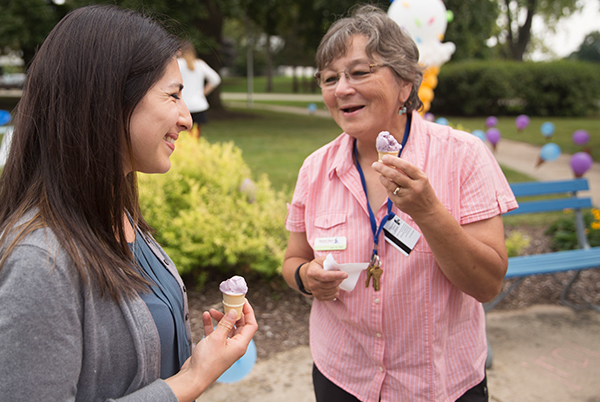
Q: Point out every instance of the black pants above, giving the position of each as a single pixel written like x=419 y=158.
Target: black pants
x=326 y=391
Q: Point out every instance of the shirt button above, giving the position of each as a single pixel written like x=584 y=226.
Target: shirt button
x=376 y=301
x=378 y=334
x=381 y=369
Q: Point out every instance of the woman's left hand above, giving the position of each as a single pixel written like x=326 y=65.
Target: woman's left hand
x=408 y=187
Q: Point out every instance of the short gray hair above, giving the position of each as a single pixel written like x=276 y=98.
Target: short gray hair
x=385 y=40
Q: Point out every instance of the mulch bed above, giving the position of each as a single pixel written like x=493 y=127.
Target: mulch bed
x=283 y=314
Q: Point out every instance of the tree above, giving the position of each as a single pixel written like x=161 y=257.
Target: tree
x=473 y=24
x=589 y=50
x=24 y=24
x=518 y=18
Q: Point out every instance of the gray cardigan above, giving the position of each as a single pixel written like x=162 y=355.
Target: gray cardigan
x=61 y=341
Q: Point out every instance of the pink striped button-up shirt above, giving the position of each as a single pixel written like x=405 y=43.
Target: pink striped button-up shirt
x=419 y=338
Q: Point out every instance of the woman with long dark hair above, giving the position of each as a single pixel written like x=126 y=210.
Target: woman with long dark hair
x=92 y=307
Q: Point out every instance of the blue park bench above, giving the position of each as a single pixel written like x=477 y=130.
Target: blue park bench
x=585 y=257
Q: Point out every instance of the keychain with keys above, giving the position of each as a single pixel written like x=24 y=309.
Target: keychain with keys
x=374 y=270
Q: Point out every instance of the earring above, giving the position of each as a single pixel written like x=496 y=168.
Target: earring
x=402 y=110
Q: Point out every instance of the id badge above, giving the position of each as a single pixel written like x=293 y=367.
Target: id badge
x=330 y=243
x=401 y=235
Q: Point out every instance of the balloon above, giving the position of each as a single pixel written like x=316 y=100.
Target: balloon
x=491 y=121
x=581 y=137
x=493 y=135
x=312 y=108
x=549 y=152
x=580 y=163
x=242 y=367
x=425 y=21
x=429 y=116
x=547 y=129
x=425 y=94
x=479 y=134
x=4 y=117
x=442 y=120
x=522 y=121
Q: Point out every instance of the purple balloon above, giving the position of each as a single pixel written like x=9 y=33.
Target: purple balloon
x=429 y=116
x=522 y=121
x=491 y=121
x=581 y=137
x=493 y=135
x=581 y=162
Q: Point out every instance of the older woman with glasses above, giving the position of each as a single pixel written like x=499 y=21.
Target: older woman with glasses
x=426 y=225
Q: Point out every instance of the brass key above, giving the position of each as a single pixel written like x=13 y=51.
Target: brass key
x=373 y=266
x=376 y=274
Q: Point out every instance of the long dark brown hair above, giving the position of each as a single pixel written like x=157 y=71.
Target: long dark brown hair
x=70 y=134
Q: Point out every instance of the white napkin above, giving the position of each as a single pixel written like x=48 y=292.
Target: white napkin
x=353 y=271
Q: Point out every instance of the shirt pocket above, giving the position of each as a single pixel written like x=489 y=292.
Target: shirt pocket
x=329 y=225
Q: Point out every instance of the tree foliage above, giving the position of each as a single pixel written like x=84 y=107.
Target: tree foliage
x=515 y=26
x=589 y=50
x=473 y=24
x=24 y=24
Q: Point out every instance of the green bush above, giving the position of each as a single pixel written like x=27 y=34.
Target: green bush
x=516 y=242
x=483 y=88
x=564 y=236
x=209 y=216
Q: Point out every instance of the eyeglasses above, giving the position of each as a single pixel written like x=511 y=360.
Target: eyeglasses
x=355 y=74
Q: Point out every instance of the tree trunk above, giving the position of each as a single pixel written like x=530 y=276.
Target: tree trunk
x=517 y=45
x=212 y=27
x=269 y=66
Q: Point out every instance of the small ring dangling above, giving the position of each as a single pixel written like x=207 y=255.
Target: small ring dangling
x=402 y=111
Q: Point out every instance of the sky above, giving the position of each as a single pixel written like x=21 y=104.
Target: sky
x=570 y=32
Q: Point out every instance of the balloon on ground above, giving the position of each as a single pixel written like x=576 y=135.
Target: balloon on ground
x=580 y=137
x=547 y=129
x=442 y=120
x=548 y=153
x=493 y=136
x=491 y=122
x=522 y=121
x=479 y=134
x=580 y=163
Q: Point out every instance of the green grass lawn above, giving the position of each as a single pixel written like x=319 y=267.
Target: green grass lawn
x=281 y=85
x=277 y=143
x=274 y=143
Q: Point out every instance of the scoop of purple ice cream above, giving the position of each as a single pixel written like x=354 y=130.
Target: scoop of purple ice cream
x=236 y=285
x=387 y=143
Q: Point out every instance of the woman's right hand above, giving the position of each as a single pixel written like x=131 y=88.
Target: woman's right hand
x=324 y=285
x=215 y=353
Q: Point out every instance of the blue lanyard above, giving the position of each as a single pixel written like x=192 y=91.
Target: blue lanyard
x=377 y=230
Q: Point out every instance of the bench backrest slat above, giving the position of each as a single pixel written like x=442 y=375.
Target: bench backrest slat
x=559 y=204
x=548 y=187
x=538 y=188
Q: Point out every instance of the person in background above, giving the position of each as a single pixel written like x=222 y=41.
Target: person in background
x=92 y=307
x=428 y=224
x=199 y=80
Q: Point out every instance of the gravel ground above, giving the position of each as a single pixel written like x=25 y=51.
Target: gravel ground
x=283 y=314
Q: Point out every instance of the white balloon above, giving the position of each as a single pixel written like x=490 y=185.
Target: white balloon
x=425 y=21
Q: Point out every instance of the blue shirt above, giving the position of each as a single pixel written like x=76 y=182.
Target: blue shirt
x=165 y=302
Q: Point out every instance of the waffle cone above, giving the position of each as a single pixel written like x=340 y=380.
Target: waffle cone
x=234 y=302
x=382 y=154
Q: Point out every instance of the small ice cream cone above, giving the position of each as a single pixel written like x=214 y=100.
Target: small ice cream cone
x=234 y=294
x=234 y=302
x=382 y=154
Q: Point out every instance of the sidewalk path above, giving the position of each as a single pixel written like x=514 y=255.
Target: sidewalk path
x=516 y=155
x=541 y=353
